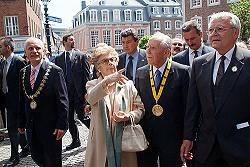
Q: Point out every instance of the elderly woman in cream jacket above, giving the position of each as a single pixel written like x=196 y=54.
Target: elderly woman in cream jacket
x=113 y=98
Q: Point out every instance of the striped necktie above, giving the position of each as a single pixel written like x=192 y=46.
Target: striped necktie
x=32 y=78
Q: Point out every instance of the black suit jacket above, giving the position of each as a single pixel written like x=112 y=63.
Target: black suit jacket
x=11 y=98
x=80 y=75
x=166 y=131
x=183 y=57
x=220 y=116
x=142 y=60
x=52 y=104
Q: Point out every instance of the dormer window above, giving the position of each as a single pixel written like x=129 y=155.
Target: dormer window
x=101 y=2
x=124 y=2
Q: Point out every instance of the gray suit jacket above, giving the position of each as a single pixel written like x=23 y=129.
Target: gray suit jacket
x=220 y=116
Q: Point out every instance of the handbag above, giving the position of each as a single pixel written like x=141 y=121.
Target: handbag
x=133 y=137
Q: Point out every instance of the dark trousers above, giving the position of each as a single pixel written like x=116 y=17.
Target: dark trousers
x=46 y=154
x=73 y=130
x=149 y=157
x=15 y=137
x=3 y=116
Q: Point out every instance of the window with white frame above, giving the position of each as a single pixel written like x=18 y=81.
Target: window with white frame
x=166 y=10
x=116 y=15
x=178 y=24
x=213 y=2
x=155 y=10
x=139 y=15
x=195 y=3
x=127 y=15
x=118 y=38
x=168 y=25
x=105 y=15
x=177 y=11
x=208 y=20
x=198 y=19
x=93 y=15
x=141 y=33
x=157 y=25
x=232 y=1
x=11 y=25
x=106 y=37
x=94 y=38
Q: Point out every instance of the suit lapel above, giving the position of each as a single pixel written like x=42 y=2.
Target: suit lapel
x=73 y=58
x=207 y=75
x=141 y=60
x=186 y=57
x=40 y=75
x=11 y=67
x=230 y=77
x=27 y=80
x=123 y=60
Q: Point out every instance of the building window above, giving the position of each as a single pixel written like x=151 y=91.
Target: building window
x=178 y=24
x=198 y=19
x=127 y=15
x=195 y=3
x=139 y=15
x=167 y=25
x=94 y=38
x=116 y=15
x=11 y=25
x=105 y=15
x=157 y=25
x=107 y=37
x=213 y=2
x=166 y=10
x=93 y=15
x=155 y=10
x=141 y=33
x=208 y=20
x=177 y=11
x=118 y=38
x=232 y=1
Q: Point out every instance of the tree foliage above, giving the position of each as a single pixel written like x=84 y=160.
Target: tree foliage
x=242 y=10
x=143 y=41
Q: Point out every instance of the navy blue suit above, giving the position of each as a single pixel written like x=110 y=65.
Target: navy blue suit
x=164 y=133
x=51 y=113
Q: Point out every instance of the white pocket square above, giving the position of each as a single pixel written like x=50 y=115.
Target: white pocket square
x=242 y=125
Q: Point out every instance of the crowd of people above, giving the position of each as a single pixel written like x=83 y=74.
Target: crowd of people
x=190 y=99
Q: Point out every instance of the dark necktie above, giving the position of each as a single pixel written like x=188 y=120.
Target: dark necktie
x=195 y=53
x=4 y=80
x=68 y=66
x=129 y=70
x=221 y=70
x=157 y=78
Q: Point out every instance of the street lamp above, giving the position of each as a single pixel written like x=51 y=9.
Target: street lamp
x=46 y=24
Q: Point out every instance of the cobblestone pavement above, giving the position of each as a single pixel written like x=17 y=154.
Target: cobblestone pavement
x=72 y=158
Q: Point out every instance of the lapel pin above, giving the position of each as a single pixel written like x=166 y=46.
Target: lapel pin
x=234 y=68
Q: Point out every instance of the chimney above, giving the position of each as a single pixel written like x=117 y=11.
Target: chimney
x=83 y=5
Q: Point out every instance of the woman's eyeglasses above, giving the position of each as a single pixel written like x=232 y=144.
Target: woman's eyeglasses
x=112 y=60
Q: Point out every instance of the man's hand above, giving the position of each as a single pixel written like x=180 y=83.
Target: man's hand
x=59 y=133
x=185 y=153
x=21 y=130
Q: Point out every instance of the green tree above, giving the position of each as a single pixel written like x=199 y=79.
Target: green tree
x=143 y=41
x=242 y=10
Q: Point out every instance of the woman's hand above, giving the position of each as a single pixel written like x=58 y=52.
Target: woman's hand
x=120 y=116
x=115 y=77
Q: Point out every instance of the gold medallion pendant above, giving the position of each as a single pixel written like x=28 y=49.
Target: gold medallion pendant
x=33 y=105
x=157 y=110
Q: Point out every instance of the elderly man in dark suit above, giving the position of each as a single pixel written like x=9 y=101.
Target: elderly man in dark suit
x=133 y=57
x=11 y=67
x=192 y=34
x=2 y=108
x=218 y=107
x=43 y=106
x=162 y=86
x=77 y=73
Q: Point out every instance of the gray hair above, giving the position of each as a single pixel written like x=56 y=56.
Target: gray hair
x=165 y=40
x=234 y=20
x=32 y=40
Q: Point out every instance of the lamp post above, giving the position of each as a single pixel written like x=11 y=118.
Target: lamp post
x=46 y=24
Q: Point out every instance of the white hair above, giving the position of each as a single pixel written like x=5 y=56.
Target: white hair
x=234 y=20
x=32 y=40
x=165 y=40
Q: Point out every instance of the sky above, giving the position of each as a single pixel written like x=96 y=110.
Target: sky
x=64 y=9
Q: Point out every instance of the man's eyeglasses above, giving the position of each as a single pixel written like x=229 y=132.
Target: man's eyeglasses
x=218 y=30
x=112 y=60
x=178 y=44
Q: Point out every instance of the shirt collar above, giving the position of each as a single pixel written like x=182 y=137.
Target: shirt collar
x=228 y=55
x=199 y=50
x=162 y=68
x=134 y=55
x=37 y=67
x=9 y=59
